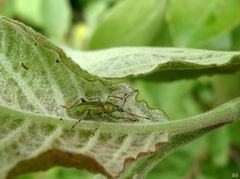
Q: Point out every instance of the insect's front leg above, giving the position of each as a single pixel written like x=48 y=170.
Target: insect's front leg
x=93 y=99
x=82 y=100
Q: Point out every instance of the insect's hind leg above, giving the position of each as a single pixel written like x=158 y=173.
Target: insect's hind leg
x=82 y=100
x=80 y=119
x=95 y=130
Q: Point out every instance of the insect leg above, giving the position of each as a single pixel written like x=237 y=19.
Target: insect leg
x=117 y=117
x=135 y=114
x=95 y=130
x=124 y=97
x=81 y=99
x=118 y=97
x=114 y=117
x=79 y=120
x=91 y=99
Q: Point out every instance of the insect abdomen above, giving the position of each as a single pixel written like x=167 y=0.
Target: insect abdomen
x=91 y=108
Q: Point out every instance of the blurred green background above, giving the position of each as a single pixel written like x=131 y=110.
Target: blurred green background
x=98 y=24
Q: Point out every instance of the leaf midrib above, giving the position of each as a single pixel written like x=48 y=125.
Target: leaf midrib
x=223 y=114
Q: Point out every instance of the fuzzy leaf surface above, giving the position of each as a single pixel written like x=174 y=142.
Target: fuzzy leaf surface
x=156 y=63
x=36 y=78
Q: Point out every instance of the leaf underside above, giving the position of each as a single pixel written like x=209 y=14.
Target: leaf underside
x=36 y=78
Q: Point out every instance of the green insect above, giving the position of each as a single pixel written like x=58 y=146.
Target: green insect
x=94 y=106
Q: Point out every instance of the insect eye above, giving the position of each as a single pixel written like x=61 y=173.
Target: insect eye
x=83 y=100
x=120 y=110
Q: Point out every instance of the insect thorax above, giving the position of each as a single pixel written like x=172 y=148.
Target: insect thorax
x=109 y=107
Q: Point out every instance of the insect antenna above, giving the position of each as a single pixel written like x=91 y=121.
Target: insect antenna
x=127 y=96
x=124 y=97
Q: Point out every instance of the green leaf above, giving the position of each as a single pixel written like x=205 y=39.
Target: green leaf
x=36 y=78
x=223 y=42
x=118 y=27
x=195 y=23
x=57 y=17
x=53 y=16
x=30 y=11
x=176 y=98
x=156 y=63
x=7 y=8
x=179 y=138
x=219 y=143
x=236 y=38
x=163 y=37
x=141 y=169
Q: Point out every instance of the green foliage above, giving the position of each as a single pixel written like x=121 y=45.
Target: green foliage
x=100 y=24
x=194 y=24
x=132 y=26
x=52 y=16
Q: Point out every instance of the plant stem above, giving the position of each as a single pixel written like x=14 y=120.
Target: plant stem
x=225 y=113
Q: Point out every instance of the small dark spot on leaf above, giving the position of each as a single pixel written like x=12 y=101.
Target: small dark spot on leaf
x=24 y=66
x=60 y=118
x=57 y=61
